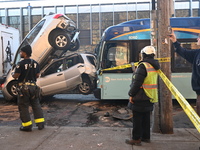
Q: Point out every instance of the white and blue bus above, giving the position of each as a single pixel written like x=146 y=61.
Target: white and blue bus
x=121 y=45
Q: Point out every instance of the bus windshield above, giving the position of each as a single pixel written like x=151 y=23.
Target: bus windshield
x=115 y=54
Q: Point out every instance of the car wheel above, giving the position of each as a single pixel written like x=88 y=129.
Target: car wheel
x=75 y=46
x=59 y=40
x=12 y=88
x=85 y=87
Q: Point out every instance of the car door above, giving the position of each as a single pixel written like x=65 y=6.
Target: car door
x=74 y=69
x=62 y=75
x=53 y=80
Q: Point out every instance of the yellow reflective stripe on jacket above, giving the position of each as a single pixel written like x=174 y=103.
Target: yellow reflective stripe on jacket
x=150 y=83
x=39 y=120
x=25 y=124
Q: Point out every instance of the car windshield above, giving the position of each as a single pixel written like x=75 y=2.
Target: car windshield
x=17 y=56
x=34 y=32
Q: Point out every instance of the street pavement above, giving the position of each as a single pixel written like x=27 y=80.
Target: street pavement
x=94 y=138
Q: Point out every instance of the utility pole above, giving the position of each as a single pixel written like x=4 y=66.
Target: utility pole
x=164 y=50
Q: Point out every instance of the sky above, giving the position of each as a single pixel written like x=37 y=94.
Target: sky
x=16 y=3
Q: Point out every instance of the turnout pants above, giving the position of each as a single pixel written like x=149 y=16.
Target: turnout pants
x=23 y=105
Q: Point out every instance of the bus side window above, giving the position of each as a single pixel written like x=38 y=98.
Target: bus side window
x=179 y=64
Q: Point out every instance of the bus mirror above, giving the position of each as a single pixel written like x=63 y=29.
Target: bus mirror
x=133 y=66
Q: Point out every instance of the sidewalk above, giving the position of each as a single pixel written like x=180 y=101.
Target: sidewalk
x=94 y=138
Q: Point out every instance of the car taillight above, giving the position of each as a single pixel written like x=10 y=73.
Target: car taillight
x=57 y=16
x=1 y=85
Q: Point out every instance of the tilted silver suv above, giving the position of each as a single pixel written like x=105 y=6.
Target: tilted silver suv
x=51 y=37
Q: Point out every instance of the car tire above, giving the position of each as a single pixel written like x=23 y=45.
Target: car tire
x=59 y=40
x=85 y=87
x=75 y=46
x=12 y=89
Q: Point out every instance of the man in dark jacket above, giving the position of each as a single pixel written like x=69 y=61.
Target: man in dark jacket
x=192 y=56
x=143 y=94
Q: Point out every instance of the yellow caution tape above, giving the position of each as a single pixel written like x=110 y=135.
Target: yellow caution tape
x=165 y=59
x=118 y=67
x=182 y=101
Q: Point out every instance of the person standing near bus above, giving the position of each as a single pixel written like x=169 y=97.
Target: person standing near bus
x=143 y=94
x=192 y=56
x=26 y=72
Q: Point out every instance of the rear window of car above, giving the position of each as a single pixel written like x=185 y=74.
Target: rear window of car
x=92 y=60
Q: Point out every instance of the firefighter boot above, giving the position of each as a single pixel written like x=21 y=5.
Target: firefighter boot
x=26 y=129
x=40 y=125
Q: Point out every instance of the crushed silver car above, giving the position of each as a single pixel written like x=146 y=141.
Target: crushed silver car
x=63 y=74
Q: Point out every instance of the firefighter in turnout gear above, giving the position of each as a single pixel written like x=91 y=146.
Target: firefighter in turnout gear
x=26 y=72
x=143 y=94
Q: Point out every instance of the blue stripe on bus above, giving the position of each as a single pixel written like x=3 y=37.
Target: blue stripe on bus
x=145 y=35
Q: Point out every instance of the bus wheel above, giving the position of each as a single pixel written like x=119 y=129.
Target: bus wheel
x=85 y=87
